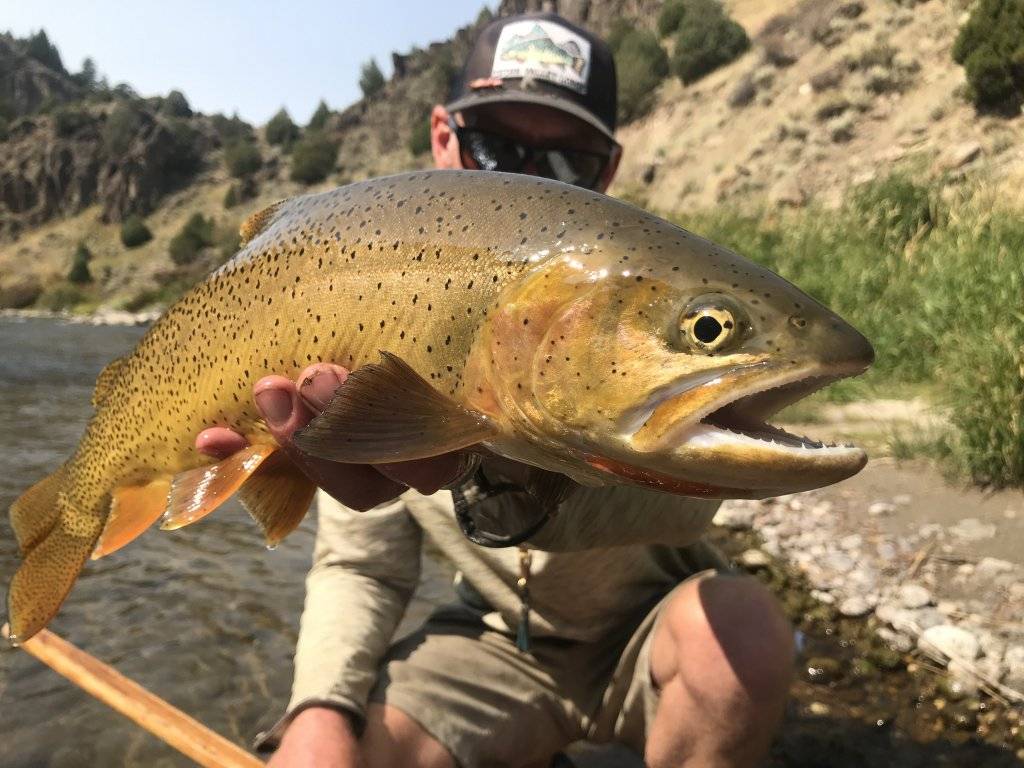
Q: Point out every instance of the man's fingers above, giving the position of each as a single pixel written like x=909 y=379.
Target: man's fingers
x=357 y=486
x=318 y=383
x=220 y=442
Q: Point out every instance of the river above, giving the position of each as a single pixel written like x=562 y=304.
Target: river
x=204 y=617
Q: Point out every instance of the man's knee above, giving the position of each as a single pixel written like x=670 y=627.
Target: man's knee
x=726 y=630
x=394 y=740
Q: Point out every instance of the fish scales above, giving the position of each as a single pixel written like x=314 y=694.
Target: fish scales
x=552 y=324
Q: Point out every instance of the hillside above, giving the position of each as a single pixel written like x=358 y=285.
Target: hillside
x=831 y=93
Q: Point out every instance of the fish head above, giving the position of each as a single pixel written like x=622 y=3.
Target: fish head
x=656 y=358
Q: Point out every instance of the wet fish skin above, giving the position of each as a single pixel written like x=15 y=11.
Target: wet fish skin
x=538 y=319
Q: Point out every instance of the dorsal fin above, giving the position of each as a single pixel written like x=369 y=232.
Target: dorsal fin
x=256 y=223
x=105 y=381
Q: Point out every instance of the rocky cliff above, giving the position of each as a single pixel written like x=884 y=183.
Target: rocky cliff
x=831 y=93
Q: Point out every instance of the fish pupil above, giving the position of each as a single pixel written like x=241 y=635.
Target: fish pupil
x=707 y=329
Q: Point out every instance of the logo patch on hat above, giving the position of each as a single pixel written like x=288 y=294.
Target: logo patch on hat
x=542 y=50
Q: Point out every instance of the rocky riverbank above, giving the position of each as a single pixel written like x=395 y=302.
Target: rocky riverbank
x=100 y=317
x=910 y=631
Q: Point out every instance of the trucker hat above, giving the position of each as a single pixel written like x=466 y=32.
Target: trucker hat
x=540 y=58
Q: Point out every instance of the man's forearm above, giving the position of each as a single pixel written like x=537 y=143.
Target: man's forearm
x=318 y=736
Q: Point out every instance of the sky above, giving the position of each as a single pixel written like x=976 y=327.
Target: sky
x=228 y=55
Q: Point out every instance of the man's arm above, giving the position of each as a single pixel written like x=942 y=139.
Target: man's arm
x=366 y=567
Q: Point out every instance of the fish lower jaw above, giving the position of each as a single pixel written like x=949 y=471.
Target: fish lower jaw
x=706 y=436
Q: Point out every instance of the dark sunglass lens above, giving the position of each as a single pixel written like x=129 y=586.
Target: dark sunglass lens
x=493 y=153
x=582 y=169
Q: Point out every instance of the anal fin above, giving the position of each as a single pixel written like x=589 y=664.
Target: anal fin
x=277 y=496
x=198 y=492
x=133 y=508
x=387 y=412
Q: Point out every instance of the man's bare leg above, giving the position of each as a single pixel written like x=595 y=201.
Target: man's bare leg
x=392 y=739
x=722 y=657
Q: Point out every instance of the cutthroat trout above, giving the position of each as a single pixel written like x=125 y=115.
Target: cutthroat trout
x=549 y=324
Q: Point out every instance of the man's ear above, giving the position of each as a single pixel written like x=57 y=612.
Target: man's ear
x=443 y=142
x=609 y=172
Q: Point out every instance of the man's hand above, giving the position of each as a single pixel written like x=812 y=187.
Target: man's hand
x=318 y=737
x=288 y=406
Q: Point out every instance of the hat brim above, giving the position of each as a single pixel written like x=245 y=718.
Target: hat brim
x=511 y=95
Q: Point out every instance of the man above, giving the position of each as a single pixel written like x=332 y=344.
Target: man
x=611 y=624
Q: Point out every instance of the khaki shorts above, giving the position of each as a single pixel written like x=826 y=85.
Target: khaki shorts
x=491 y=705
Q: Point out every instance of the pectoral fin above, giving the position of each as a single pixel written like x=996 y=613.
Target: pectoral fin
x=133 y=508
x=387 y=412
x=277 y=496
x=198 y=492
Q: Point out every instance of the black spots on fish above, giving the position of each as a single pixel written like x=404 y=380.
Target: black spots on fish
x=430 y=349
x=360 y=327
x=526 y=321
x=447 y=340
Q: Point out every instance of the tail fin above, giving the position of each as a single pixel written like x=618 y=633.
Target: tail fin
x=55 y=541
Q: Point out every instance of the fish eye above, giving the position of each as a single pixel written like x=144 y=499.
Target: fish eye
x=708 y=325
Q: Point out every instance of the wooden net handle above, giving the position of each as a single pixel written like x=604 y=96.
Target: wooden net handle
x=185 y=734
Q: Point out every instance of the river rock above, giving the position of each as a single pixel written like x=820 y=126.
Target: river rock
x=855 y=607
x=963 y=680
x=990 y=567
x=881 y=509
x=951 y=641
x=913 y=596
x=754 y=558
x=735 y=517
x=1013 y=660
x=895 y=640
x=972 y=529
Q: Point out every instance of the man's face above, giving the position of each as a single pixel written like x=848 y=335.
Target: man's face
x=533 y=125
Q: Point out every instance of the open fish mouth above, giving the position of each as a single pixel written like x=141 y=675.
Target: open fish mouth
x=745 y=420
x=732 y=410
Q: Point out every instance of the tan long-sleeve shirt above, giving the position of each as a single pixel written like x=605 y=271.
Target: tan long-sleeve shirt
x=607 y=551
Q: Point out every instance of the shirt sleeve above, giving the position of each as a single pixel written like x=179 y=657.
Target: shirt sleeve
x=366 y=566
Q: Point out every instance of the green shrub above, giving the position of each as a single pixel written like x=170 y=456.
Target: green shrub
x=641 y=65
x=176 y=105
x=242 y=190
x=134 y=232
x=990 y=47
x=280 y=130
x=228 y=241
x=672 y=14
x=60 y=297
x=88 y=77
x=319 y=118
x=196 y=234
x=242 y=158
x=419 y=139
x=313 y=158
x=42 y=50
x=371 y=79
x=79 y=273
x=231 y=196
x=231 y=129
x=619 y=29
x=120 y=129
x=937 y=292
x=69 y=120
x=707 y=40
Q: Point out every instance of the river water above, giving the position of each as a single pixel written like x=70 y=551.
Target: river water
x=204 y=617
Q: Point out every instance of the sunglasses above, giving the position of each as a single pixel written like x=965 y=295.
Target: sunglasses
x=493 y=152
